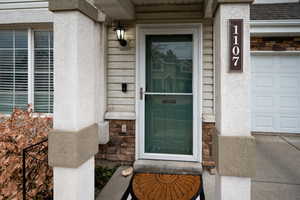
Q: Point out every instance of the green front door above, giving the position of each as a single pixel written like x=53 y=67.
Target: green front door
x=169 y=94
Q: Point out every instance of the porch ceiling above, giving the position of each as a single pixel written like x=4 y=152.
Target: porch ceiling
x=126 y=9
x=151 y=2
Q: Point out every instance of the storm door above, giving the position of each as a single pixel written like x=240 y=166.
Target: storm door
x=168 y=108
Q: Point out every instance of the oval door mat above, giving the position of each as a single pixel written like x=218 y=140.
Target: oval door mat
x=146 y=186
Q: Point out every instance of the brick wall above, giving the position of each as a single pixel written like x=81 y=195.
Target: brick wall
x=208 y=129
x=121 y=147
x=275 y=43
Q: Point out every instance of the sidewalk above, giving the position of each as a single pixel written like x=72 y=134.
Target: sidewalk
x=277 y=173
x=277 y=168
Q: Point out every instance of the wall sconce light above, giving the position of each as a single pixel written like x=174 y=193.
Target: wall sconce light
x=120 y=31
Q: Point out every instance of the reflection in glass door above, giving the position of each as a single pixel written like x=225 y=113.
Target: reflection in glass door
x=169 y=94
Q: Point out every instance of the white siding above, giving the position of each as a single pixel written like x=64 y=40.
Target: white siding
x=208 y=73
x=22 y=4
x=121 y=68
x=24 y=11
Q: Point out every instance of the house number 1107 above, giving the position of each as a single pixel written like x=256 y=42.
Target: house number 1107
x=236 y=53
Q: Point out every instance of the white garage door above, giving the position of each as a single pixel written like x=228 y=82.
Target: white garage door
x=275 y=93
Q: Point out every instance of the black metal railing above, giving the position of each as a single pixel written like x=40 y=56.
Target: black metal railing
x=35 y=164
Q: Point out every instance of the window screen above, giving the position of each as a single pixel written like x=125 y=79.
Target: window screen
x=13 y=70
x=43 y=71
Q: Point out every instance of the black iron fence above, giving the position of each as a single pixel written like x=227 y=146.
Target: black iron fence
x=37 y=175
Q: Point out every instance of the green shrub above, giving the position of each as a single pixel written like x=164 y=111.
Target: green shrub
x=102 y=176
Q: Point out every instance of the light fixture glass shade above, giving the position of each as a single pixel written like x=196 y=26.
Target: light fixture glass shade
x=120 y=31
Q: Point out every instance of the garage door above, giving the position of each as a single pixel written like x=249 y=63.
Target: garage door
x=275 y=93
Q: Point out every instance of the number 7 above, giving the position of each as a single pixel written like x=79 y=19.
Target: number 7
x=236 y=60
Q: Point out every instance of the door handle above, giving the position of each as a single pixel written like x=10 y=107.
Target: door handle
x=141 y=93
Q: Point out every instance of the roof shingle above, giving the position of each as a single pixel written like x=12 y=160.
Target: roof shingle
x=275 y=11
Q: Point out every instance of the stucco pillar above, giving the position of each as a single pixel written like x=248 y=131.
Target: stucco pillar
x=234 y=147
x=74 y=141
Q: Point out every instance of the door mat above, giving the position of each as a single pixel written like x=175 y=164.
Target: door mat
x=149 y=186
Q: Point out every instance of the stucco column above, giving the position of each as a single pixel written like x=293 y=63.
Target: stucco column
x=74 y=141
x=234 y=147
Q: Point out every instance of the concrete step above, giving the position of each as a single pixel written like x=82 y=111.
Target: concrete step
x=167 y=167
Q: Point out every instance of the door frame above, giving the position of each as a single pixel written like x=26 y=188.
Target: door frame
x=169 y=29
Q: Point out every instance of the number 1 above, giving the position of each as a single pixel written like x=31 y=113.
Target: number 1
x=235 y=29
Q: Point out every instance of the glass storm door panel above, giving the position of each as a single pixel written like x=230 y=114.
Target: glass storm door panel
x=168 y=95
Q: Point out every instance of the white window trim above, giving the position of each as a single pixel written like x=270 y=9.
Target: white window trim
x=196 y=30
x=30 y=67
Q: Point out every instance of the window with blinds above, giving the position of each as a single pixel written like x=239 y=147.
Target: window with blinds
x=13 y=70
x=43 y=71
x=26 y=70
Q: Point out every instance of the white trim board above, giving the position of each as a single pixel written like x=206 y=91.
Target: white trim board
x=120 y=115
x=275 y=27
x=275 y=52
x=141 y=32
x=275 y=1
x=208 y=118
